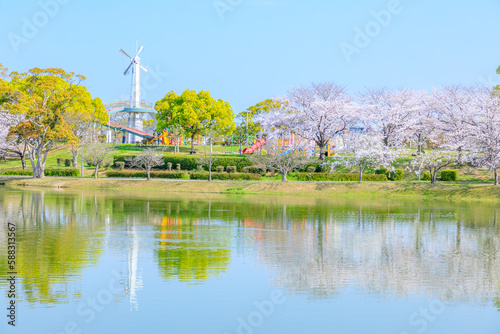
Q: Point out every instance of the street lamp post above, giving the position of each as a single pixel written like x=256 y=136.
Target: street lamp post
x=247 y=127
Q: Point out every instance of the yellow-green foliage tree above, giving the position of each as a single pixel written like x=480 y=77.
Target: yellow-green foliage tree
x=44 y=97
x=195 y=112
x=250 y=114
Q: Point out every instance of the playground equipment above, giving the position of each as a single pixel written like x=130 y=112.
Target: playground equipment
x=258 y=144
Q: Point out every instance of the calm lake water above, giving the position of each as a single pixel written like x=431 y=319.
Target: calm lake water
x=97 y=262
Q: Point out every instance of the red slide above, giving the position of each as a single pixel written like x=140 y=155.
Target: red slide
x=258 y=144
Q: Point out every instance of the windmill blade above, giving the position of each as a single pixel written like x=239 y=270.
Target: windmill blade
x=140 y=50
x=128 y=68
x=144 y=68
x=126 y=54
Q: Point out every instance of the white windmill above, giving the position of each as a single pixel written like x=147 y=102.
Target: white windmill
x=135 y=118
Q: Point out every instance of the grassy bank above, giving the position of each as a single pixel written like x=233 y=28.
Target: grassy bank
x=404 y=189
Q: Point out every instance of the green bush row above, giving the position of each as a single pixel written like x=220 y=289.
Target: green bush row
x=339 y=177
x=446 y=175
x=190 y=162
x=225 y=176
x=48 y=172
x=142 y=174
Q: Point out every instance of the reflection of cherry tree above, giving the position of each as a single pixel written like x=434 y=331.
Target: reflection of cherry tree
x=388 y=253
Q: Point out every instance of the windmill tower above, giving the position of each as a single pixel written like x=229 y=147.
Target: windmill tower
x=135 y=118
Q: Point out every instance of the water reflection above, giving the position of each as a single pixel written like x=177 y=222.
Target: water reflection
x=440 y=253
x=192 y=250
x=53 y=244
x=316 y=247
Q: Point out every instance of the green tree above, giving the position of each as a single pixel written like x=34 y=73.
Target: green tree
x=253 y=111
x=195 y=112
x=43 y=97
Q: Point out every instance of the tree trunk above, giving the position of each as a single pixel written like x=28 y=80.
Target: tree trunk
x=95 y=171
x=192 y=143
x=433 y=177
x=23 y=161
x=75 y=160
x=209 y=173
x=283 y=176
x=148 y=173
x=496 y=176
x=360 y=174
x=321 y=152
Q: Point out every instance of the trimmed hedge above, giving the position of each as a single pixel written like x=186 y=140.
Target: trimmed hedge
x=339 y=177
x=18 y=172
x=62 y=172
x=426 y=176
x=449 y=175
x=225 y=176
x=190 y=162
x=48 y=172
x=142 y=174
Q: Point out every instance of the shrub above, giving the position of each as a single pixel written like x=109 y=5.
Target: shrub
x=60 y=161
x=449 y=175
x=382 y=170
x=339 y=177
x=219 y=169
x=426 y=176
x=231 y=169
x=68 y=162
x=397 y=175
x=142 y=174
x=120 y=165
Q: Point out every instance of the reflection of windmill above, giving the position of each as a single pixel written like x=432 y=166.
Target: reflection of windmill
x=135 y=118
x=134 y=281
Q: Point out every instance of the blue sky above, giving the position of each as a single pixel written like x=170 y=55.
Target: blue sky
x=244 y=51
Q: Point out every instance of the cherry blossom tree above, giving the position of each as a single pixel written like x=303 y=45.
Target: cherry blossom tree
x=457 y=110
x=365 y=150
x=421 y=126
x=484 y=135
x=387 y=112
x=11 y=141
x=316 y=113
x=282 y=161
x=432 y=160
